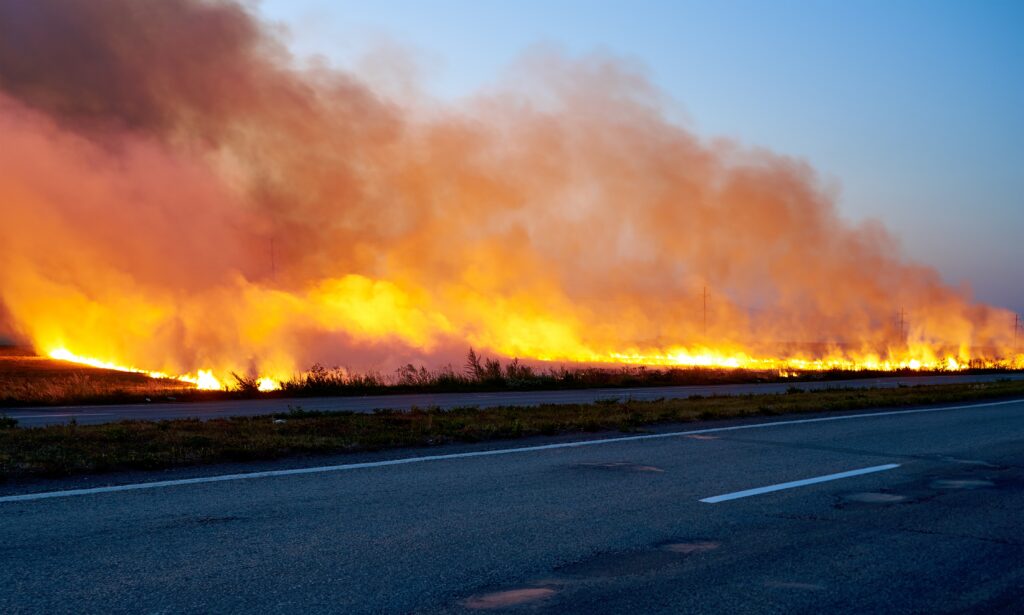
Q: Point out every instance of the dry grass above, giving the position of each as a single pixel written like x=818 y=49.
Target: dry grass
x=74 y=449
x=29 y=379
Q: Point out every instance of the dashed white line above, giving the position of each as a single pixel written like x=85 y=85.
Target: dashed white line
x=27 y=497
x=798 y=483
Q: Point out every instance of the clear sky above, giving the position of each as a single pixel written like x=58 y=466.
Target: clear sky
x=914 y=109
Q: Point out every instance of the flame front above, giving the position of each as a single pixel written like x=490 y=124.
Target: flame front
x=203 y=209
x=204 y=380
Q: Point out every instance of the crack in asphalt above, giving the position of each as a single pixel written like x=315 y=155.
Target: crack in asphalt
x=1001 y=541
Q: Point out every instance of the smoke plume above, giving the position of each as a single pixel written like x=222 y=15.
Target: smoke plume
x=180 y=193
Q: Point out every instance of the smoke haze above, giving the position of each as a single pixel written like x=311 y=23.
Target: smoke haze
x=179 y=193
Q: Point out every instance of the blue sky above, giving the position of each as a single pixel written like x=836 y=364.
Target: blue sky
x=914 y=109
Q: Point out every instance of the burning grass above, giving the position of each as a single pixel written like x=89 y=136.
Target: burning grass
x=140 y=445
x=26 y=379
x=29 y=379
x=492 y=375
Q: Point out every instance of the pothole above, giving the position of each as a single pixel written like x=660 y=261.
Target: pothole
x=620 y=564
x=874 y=497
x=202 y=520
x=629 y=563
x=964 y=483
x=620 y=466
x=209 y=520
x=688 y=548
x=794 y=585
x=972 y=462
x=508 y=598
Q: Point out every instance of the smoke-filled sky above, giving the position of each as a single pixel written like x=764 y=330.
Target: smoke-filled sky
x=911 y=108
x=185 y=188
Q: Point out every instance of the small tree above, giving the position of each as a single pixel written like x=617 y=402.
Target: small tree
x=514 y=370
x=492 y=370
x=410 y=375
x=474 y=368
x=246 y=383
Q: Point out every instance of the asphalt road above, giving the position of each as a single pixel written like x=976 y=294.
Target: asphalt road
x=933 y=525
x=37 y=416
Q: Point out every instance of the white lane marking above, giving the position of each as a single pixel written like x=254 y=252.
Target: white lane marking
x=488 y=453
x=797 y=483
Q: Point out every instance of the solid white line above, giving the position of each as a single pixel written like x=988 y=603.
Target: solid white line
x=488 y=453
x=798 y=483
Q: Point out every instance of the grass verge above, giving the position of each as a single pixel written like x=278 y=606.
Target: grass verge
x=140 y=445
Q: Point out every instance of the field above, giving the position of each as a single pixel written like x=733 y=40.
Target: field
x=141 y=445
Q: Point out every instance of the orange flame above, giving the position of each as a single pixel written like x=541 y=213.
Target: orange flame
x=204 y=380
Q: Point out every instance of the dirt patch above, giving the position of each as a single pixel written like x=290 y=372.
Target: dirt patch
x=688 y=548
x=963 y=483
x=874 y=497
x=617 y=466
x=661 y=557
x=509 y=598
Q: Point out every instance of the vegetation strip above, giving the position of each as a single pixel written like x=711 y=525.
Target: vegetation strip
x=29 y=380
x=62 y=450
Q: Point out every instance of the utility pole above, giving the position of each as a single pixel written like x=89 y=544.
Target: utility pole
x=1016 y=328
x=273 y=263
x=705 y=311
x=900 y=323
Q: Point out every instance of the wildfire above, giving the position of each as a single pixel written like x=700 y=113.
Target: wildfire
x=63 y=354
x=205 y=379
x=216 y=208
x=833 y=361
x=920 y=358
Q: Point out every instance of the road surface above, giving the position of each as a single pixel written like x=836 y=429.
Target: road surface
x=892 y=511
x=85 y=415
